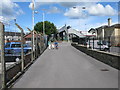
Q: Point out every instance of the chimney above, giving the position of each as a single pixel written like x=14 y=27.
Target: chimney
x=109 y=21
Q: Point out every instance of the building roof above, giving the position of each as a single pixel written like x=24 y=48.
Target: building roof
x=62 y=29
x=104 y=26
x=13 y=34
x=116 y=26
x=29 y=35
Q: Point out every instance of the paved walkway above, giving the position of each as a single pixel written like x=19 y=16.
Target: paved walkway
x=68 y=68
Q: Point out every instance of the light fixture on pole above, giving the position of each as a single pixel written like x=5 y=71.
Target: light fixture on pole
x=43 y=21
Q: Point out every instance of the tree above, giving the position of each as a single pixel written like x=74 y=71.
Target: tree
x=50 y=28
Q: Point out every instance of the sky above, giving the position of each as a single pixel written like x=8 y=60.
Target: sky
x=79 y=15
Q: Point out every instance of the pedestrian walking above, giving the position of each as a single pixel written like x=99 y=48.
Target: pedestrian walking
x=53 y=46
x=56 y=44
x=49 y=45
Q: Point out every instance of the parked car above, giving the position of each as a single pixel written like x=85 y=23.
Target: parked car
x=15 y=48
x=100 y=45
x=27 y=48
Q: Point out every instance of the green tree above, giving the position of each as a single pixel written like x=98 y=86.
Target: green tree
x=50 y=28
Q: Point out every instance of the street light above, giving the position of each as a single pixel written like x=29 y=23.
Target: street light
x=33 y=48
x=82 y=8
x=43 y=21
x=35 y=12
x=43 y=24
x=43 y=17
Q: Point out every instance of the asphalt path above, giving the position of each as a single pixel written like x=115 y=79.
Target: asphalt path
x=67 y=67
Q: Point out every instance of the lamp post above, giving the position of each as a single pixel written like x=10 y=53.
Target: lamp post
x=43 y=19
x=33 y=47
x=43 y=24
x=81 y=8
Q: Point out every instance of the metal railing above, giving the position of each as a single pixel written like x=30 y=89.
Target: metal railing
x=11 y=71
x=110 y=44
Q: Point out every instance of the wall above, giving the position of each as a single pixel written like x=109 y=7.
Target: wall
x=104 y=57
x=99 y=33
x=117 y=34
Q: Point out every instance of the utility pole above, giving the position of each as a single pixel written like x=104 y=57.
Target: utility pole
x=3 y=65
x=22 y=52
x=33 y=47
x=44 y=28
x=43 y=24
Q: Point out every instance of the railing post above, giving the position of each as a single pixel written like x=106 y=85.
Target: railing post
x=3 y=66
x=109 y=43
x=89 y=43
x=32 y=54
x=36 y=45
x=100 y=44
x=22 y=51
x=93 y=42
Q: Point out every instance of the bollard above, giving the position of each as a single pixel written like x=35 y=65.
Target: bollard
x=3 y=67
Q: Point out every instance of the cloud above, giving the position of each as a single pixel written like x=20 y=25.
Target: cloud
x=38 y=4
x=75 y=13
x=68 y=4
x=30 y=5
x=1 y=18
x=91 y=9
x=9 y=10
x=54 y=10
x=49 y=11
x=100 y=10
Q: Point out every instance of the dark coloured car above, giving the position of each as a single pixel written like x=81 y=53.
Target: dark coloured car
x=15 y=48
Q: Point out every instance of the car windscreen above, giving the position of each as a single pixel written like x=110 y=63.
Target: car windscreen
x=7 y=45
x=15 y=45
x=26 y=45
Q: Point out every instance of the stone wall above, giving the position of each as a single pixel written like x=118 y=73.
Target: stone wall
x=105 y=57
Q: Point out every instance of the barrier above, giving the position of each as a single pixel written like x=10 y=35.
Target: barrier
x=105 y=57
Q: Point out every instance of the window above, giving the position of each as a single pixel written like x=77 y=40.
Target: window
x=16 y=46
x=7 y=45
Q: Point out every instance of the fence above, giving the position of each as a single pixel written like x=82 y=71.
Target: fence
x=110 y=44
x=13 y=65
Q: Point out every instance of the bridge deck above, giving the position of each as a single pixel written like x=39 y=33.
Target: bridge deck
x=68 y=68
